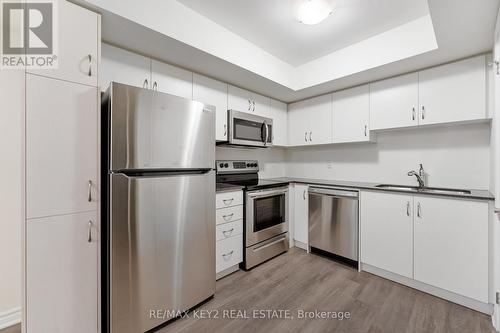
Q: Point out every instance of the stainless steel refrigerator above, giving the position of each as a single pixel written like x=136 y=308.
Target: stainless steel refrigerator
x=159 y=186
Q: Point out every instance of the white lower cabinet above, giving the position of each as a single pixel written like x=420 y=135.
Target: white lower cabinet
x=62 y=274
x=228 y=232
x=300 y=213
x=387 y=231
x=441 y=242
x=451 y=245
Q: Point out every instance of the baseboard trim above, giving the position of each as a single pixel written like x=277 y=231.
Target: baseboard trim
x=227 y=271
x=301 y=245
x=435 y=291
x=10 y=318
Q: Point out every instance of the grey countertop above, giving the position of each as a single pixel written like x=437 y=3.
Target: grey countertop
x=475 y=194
x=224 y=187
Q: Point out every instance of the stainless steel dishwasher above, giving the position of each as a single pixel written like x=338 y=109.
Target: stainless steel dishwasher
x=333 y=223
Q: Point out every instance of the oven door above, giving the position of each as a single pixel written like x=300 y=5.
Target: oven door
x=249 y=130
x=266 y=214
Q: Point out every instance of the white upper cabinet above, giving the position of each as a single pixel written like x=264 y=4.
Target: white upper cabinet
x=386 y=224
x=278 y=112
x=61 y=147
x=78 y=45
x=394 y=102
x=213 y=92
x=453 y=92
x=171 y=80
x=451 y=245
x=310 y=121
x=319 y=112
x=124 y=67
x=351 y=115
x=298 y=124
x=246 y=101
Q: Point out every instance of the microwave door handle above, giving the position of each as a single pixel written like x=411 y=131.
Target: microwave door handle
x=267 y=134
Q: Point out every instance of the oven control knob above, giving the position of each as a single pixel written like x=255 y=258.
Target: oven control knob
x=254 y=165
x=226 y=165
x=221 y=165
x=248 y=165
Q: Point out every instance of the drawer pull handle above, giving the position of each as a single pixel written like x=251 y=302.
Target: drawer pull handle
x=89 y=238
x=270 y=244
x=226 y=255
x=227 y=202
x=228 y=216
x=89 y=197
x=227 y=233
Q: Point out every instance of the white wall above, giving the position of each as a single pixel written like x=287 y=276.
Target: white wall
x=453 y=156
x=271 y=160
x=11 y=143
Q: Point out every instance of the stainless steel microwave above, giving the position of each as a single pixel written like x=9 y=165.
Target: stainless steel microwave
x=249 y=130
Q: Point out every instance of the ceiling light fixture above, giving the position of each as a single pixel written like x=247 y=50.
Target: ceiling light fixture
x=314 y=11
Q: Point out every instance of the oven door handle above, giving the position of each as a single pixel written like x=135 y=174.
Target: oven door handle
x=263 y=194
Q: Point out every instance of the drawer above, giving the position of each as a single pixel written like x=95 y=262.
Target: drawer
x=229 y=252
x=227 y=230
x=228 y=199
x=229 y=214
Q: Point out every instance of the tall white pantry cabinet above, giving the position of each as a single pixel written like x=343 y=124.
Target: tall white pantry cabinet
x=61 y=162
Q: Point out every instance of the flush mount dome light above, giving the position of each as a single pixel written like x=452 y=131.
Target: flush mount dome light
x=313 y=11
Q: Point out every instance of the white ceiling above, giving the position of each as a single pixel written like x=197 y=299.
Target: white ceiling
x=272 y=24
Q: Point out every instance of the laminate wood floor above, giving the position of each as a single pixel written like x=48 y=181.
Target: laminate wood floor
x=299 y=281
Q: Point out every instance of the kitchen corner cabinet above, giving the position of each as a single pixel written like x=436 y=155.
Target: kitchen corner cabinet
x=351 y=115
x=442 y=242
x=301 y=214
x=387 y=231
x=246 y=101
x=278 y=112
x=213 y=92
x=124 y=67
x=62 y=274
x=171 y=80
x=453 y=92
x=394 y=102
x=310 y=121
x=451 y=245
x=77 y=61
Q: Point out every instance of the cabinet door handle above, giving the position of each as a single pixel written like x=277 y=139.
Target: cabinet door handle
x=304 y=195
x=253 y=103
x=227 y=202
x=155 y=86
x=413 y=113
x=225 y=129
x=366 y=129
x=145 y=84
x=228 y=216
x=89 y=199
x=419 y=210
x=408 y=208
x=227 y=233
x=228 y=254
x=310 y=136
x=90 y=65
x=89 y=239
x=423 y=112
x=305 y=136
x=249 y=105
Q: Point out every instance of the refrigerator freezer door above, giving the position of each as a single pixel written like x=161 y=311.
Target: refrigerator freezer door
x=162 y=247
x=153 y=130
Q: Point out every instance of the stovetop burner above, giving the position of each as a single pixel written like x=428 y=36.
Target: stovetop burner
x=243 y=173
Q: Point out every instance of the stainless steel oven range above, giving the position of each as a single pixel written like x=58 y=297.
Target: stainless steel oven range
x=266 y=210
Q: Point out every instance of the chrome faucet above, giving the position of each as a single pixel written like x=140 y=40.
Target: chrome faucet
x=420 y=176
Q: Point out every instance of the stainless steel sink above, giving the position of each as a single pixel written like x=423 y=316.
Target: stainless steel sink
x=436 y=190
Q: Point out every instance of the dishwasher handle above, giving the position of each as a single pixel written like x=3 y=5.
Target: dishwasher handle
x=333 y=192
